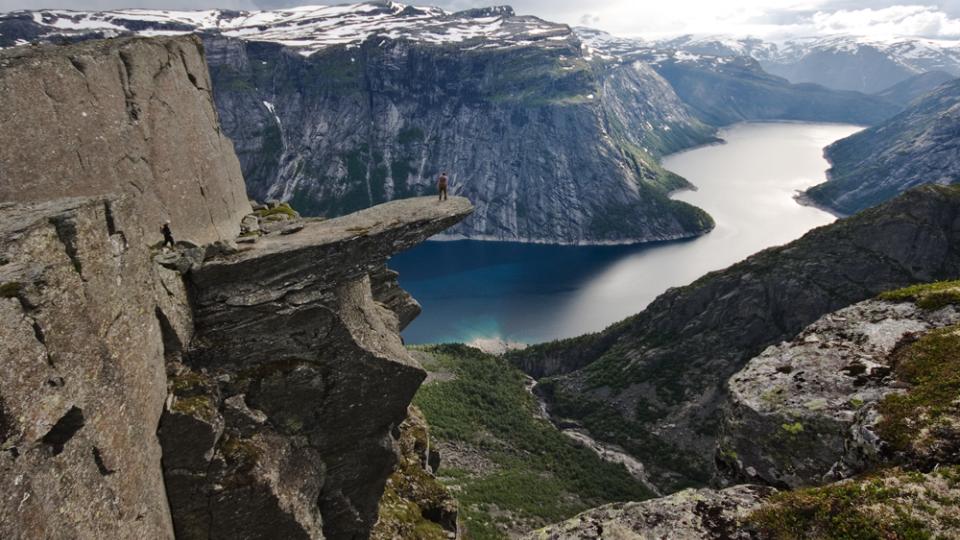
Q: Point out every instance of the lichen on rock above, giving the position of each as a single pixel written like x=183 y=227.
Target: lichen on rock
x=415 y=504
x=807 y=411
x=693 y=513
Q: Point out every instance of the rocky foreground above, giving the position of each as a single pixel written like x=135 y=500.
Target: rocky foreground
x=253 y=391
x=858 y=415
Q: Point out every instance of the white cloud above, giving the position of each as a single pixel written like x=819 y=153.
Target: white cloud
x=893 y=21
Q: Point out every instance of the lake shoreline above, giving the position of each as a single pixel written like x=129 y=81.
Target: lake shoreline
x=532 y=292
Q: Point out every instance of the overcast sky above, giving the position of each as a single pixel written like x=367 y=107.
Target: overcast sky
x=766 y=18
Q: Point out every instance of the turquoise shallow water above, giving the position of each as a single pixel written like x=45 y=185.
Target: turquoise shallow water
x=531 y=293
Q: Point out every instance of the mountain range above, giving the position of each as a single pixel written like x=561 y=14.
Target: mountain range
x=842 y=62
x=554 y=133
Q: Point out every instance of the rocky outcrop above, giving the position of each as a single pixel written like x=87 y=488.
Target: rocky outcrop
x=129 y=116
x=415 y=504
x=301 y=376
x=82 y=380
x=249 y=392
x=918 y=146
x=805 y=412
x=691 y=514
x=130 y=125
x=656 y=381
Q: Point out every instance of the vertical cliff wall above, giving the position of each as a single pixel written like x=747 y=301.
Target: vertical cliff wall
x=101 y=142
x=132 y=117
x=82 y=380
x=549 y=145
x=258 y=395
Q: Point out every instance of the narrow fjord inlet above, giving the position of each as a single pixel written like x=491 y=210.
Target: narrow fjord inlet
x=529 y=293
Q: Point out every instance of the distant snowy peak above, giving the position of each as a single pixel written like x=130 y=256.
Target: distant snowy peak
x=917 y=55
x=720 y=45
x=612 y=48
x=310 y=28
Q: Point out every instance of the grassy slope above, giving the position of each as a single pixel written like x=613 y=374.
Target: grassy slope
x=538 y=476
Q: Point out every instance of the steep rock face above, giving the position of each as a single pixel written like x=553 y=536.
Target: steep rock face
x=550 y=148
x=694 y=513
x=260 y=390
x=905 y=92
x=80 y=405
x=657 y=379
x=86 y=313
x=918 y=146
x=415 y=504
x=290 y=331
x=802 y=412
x=130 y=116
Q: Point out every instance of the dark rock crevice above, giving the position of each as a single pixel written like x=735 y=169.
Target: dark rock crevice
x=98 y=460
x=66 y=427
x=126 y=81
x=67 y=234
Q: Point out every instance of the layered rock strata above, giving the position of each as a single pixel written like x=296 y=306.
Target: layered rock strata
x=298 y=372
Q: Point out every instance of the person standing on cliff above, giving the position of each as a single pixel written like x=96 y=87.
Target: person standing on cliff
x=167 y=235
x=442 y=186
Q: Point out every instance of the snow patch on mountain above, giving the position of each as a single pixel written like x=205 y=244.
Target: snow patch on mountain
x=313 y=28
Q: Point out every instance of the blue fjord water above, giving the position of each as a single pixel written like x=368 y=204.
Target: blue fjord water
x=532 y=293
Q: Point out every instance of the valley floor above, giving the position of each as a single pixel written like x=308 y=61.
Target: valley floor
x=510 y=468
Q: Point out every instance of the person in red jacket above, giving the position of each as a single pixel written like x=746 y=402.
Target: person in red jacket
x=442 y=186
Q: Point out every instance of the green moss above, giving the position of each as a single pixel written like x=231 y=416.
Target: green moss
x=793 y=429
x=188 y=382
x=927 y=295
x=932 y=366
x=890 y=504
x=239 y=452
x=10 y=290
x=282 y=208
x=200 y=406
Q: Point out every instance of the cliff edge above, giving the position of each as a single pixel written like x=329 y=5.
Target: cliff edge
x=259 y=393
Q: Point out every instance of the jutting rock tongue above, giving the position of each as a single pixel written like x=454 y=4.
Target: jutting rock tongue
x=276 y=376
x=296 y=379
